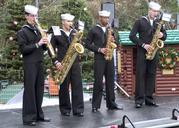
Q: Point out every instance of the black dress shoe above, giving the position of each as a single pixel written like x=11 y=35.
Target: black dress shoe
x=32 y=123
x=115 y=108
x=78 y=114
x=44 y=119
x=94 y=110
x=152 y=104
x=66 y=114
x=137 y=105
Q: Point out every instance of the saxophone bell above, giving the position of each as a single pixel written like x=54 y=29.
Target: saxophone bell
x=79 y=48
x=160 y=44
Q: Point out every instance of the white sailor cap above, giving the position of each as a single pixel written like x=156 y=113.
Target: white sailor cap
x=67 y=16
x=31 y=9
x=155 y=6
x=104 y=13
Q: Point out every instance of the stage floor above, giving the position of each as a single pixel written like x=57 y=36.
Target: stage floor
x=12 y=118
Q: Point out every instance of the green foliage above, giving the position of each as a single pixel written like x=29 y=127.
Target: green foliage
x=170 y=6
x=79 y=9
x=14 y=16
x=49 y=14
x=129 y=11
x=87 y=66
x=13 y=19
x=47 y=63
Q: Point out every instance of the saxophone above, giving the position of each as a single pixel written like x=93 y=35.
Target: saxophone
x=44 y=34
x=156 y=42
x=74 y=49
x=109 y=45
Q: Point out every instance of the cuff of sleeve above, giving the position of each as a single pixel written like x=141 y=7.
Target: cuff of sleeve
x=56 y=62
x=99 y=49
x=37 y=46
x=143 y=45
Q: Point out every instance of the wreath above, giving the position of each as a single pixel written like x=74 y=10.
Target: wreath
x=167 y=58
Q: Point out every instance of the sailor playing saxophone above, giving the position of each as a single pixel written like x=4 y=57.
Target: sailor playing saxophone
x=97 y=41
x=61 y=40
x=145 y=68
x=32 y=45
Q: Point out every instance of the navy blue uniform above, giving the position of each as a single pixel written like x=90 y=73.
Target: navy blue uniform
x=27 y=38
x=73 y=78
x=96 y=39
x=145 y=69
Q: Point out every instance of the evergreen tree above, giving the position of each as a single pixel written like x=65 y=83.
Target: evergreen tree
x=11 y=63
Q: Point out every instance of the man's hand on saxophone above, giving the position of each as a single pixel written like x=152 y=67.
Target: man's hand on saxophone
x=58 y=65
x=103 y=50
x=43 y=40
x=148 y=47
x=160 y=35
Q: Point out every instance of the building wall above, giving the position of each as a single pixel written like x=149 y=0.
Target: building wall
x=166 y=85
x=126 y=78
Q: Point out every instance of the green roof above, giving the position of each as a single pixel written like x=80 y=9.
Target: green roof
x=172 y=37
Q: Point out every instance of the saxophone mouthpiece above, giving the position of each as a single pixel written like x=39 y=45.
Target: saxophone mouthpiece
x=73 y=28
x=36 y=20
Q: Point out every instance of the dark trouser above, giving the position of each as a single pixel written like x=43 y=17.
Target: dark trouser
x=33 y=91
x=73 y=78
x=145 y=77
x=103 y=68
